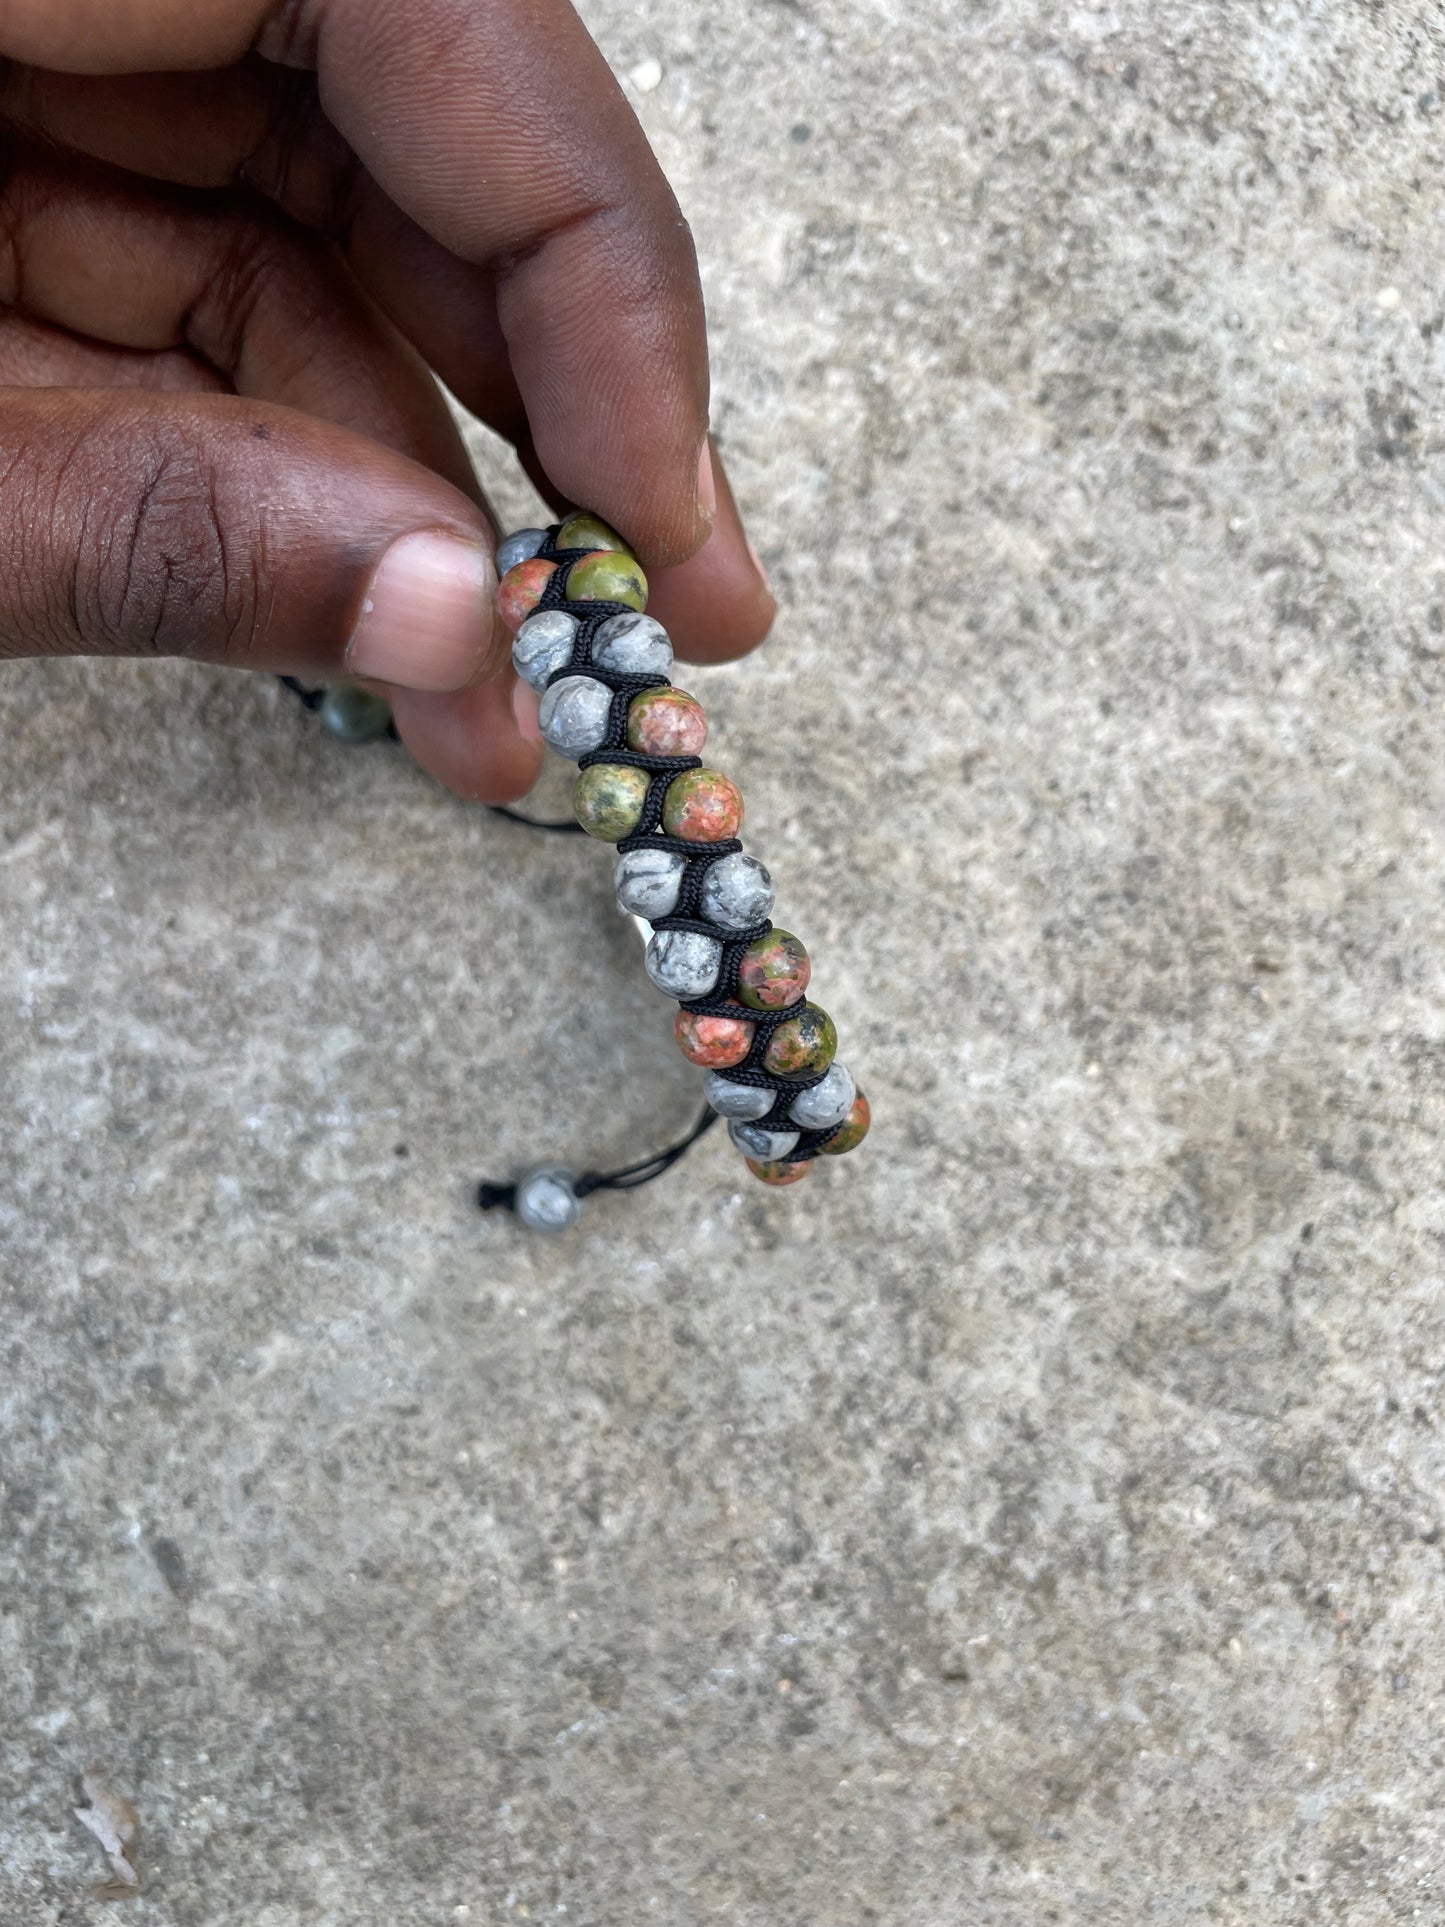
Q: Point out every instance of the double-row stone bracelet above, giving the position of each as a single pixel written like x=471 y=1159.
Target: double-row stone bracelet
x=575 y=597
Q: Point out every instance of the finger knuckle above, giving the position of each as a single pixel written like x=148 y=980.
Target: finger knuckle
x=159 y=577
x=262 y=273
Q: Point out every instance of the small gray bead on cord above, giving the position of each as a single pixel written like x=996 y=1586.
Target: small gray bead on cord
x=520 y=547
x=543 y=645
x=354 y=715
x=683 y=963
x=546 y=1200
x=756 y=1142
x=633 y=645
x=573 y=715
x=737 y=892
x=730 y=1099
x=825 y=1103
x=648 y=882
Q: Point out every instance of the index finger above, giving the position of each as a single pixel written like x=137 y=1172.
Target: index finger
x=500 y=130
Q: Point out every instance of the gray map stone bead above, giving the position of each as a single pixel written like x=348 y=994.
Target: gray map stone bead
x=684 y=963
x=648 y=882
x=543 y=645
x=632 y=646
x=520 y=547
x=731 y=1099
x=572 y=715
x=546 y=1200
x=755 y=1142
x=827 y=1103
x=737 y=892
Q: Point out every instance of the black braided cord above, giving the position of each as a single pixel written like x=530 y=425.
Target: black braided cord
x=492 y=1197
x=311 y=699
x=722 y=1001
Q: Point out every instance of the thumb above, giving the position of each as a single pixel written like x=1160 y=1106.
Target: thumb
x=233 y=532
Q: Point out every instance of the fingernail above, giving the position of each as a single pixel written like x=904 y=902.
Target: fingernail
x=524 y=708
x=758 y=565
x=426 y=620
x=706 y=482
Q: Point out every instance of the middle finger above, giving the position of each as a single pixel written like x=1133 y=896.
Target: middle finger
x=262 y=124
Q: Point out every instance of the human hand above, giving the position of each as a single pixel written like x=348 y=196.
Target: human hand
x=236 y=238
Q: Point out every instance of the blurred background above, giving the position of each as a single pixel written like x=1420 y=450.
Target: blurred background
x=1036 y=1518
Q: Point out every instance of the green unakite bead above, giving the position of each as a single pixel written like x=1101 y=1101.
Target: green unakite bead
x=607 y=577
x=774 y=972
x=666 y=722
x=777 y=1172
x=590 y=532
x=608 y=798
x=853 y=1129
x=702 y=806
x=803 y=1045
x=354 y=715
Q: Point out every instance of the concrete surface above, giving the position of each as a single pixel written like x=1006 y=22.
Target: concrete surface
x=1037 y=1520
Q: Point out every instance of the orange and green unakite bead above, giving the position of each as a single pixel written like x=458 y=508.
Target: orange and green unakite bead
x=666 y=722
x=520 y=590
x=608 y=798
x=607 y=576
x=852 y=1131
x=806 y=1043
x=702 y=806
x=717 y=1043
x=590 y=532
x=774 y=972
x=777 y=1172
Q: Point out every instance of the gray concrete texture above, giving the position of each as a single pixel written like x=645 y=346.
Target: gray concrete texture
x=1036 y=1519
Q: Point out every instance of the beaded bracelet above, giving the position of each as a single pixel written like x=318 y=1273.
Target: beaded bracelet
x=575 y=596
